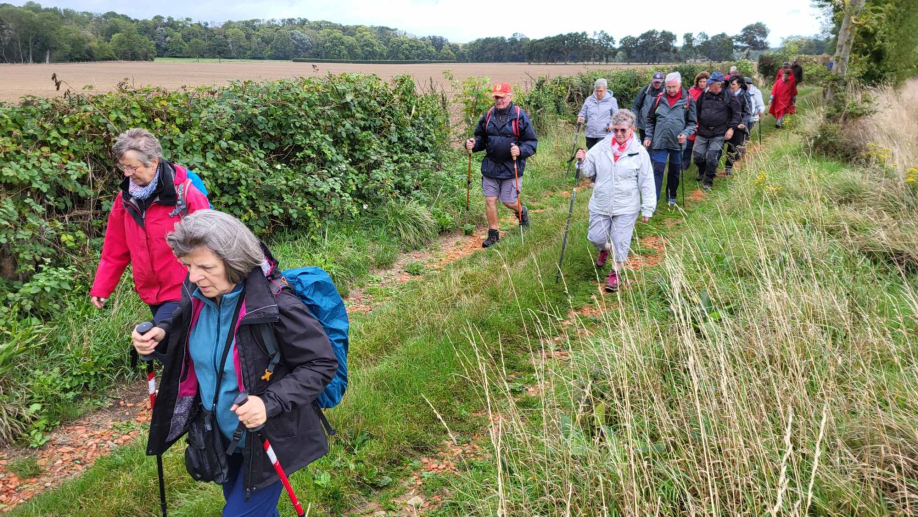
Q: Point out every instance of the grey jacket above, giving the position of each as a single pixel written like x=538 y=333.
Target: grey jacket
x=598 y=114
x=643 y=102
x=622 y=187
x=758 y=107
x=665 y=123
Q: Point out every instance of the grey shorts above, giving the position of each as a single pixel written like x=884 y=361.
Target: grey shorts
x=504 y=190
x=612 y=233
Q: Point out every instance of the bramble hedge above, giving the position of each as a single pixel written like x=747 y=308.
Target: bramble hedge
x=283 y=154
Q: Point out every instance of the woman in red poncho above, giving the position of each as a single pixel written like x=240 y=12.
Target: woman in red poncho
x=783 y=96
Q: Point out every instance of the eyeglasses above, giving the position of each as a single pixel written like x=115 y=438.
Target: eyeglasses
x=617 y=130
x=126 y=168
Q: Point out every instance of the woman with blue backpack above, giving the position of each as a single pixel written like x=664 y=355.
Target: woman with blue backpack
x=246 y=361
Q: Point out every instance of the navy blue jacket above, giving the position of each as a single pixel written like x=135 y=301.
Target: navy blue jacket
x=496 y=141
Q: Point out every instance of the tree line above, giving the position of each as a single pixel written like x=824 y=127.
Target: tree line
x=33 y=33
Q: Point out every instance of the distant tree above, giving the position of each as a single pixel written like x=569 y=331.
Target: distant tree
x=720 y=47
x=195 y=48
x=370 y=45
x=218 y=47
x=752 y=37
x=688 y=46
x=176 y=47
x=446 y=54
x=236 y=39
x=281 y=46
x=131 y=46
x=629 y=46
x=302 y=44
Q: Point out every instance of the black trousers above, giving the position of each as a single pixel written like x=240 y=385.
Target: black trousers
x=592 y=141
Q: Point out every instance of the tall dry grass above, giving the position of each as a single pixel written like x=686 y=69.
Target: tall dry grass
x=768 y=367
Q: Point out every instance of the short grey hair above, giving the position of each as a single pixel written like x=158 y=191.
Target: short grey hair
x=624 y=116
x=600 y=83
x=732 y=69
x=674 y=76
x=222 y=234
x=140 y=141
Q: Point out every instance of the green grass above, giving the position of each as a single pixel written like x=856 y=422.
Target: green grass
x=25 y=468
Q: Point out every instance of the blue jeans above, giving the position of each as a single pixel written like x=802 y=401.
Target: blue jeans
x=659 y=157
x=262 y=503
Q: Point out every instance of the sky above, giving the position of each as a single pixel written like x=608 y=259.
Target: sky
x=463 y=20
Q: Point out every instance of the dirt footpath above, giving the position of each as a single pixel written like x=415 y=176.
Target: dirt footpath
x=19 y=80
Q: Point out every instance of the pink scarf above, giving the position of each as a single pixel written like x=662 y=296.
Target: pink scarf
x=619 y=149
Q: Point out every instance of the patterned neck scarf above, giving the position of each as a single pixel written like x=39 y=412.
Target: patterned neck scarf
x=619 y=149
x=142 y=193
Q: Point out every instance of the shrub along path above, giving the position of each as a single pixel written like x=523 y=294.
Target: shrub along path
x=410 y=365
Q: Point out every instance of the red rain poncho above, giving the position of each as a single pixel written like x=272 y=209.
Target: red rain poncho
x=783 y=93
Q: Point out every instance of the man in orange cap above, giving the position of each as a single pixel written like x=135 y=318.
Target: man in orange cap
x=506 y=135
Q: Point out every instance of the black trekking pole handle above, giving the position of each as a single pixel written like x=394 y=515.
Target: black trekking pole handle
x=240 y=400
x=142 y=329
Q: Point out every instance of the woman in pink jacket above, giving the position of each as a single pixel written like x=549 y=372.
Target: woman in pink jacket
x=155 y=194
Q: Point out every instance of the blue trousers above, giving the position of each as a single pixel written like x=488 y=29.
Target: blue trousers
x=163 y=311
x=262 y=503
x=659 y=157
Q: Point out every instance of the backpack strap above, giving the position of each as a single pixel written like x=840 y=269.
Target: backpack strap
x=181 y=205
x=267 y=335
x=270 y=340
x=516 y=123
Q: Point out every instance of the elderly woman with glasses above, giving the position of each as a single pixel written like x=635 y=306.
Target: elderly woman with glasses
x=154 y=195
x=624 y=186
x=239 y=327
x=597 y=112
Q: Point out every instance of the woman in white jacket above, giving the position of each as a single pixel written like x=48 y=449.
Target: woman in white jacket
x=624 y=186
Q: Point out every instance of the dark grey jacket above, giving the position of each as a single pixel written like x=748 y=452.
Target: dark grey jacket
x=665 y=123
x=643 y=103
x=307 y=365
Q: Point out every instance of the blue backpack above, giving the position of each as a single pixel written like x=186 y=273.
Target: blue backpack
x=316 y=290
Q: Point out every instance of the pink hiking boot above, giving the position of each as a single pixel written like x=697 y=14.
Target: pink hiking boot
x=612 y=282
x=602 y=258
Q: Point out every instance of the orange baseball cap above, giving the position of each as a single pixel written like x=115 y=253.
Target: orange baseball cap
x=501 y=90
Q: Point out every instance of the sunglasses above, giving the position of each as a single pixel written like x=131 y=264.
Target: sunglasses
x=616 y=130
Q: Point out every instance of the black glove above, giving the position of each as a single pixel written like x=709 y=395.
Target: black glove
x=793 y=100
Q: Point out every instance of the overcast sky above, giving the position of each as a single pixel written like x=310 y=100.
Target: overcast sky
x=462 y=20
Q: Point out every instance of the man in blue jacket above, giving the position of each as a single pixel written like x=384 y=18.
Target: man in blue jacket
x=504 y=133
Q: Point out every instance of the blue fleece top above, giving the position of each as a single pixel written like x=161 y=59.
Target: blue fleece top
x=208 y=337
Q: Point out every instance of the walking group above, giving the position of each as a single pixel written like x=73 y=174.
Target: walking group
x=252 y=354
x=629 y=152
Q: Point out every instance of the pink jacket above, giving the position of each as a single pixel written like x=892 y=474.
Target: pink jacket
x=158 y=275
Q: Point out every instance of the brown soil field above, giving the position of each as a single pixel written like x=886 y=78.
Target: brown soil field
x=19 y=80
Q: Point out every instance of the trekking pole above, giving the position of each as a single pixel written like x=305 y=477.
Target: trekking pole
x=570 y=212
x=760 y=131
x=142 y=329
x=681 y=179
x=519 y=204
x=574 y=148
x=240 y=400
x=468 y=190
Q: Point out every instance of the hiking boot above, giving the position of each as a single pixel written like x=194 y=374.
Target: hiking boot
x=612 y=282
x=699 y=177
x=707 y=187
x=728 y=171
x=671 y=202
x=524 y=217
x=493 y=238
x=602 y=258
